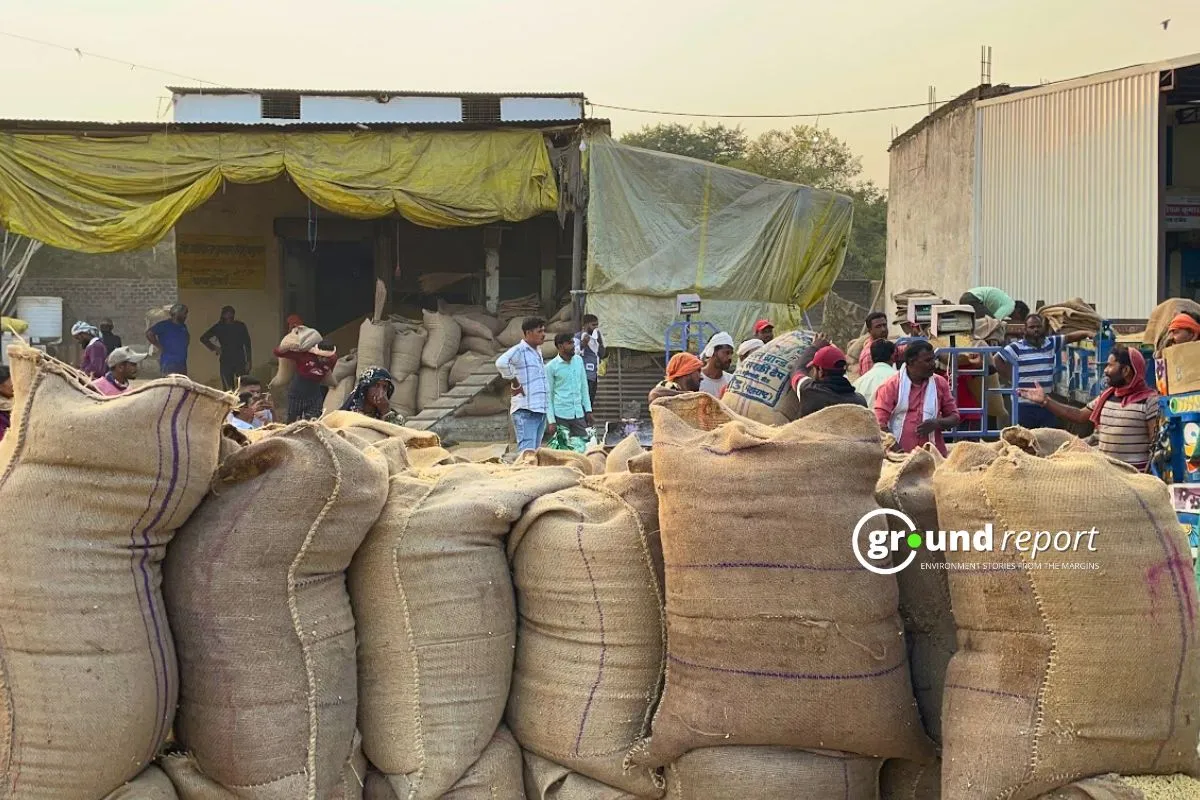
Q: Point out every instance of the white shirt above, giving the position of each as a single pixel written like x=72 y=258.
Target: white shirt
x=713 y=386
x=525 y=364
x=869 y=382
x=240 y=424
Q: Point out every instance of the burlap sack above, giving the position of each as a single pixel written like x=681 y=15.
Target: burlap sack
x=153 y=784
x=618 y=459
x=431 y=384
x=404 y=398
x=345 y=367
x=1066 y=673
x=1042 y=441
x=338 y=395
x=407 y=346
x=474 y=327
x=587 y=569
x=493 y=323
x=255 y=588
x=92 y=489
x=907 y=780
x=487 y=403
x=1071 y=316
x=1161 y=316
x=512 y=332
x=444 y=336
x=484 y=347
x=771 y=773
x=761 y=388
x=771 y=620
x=906 y=484
x=547 y=457
x=374 y=431
x=374 y=346
x=436 y=619
x=496 y=775
x=1122 y=787
x=285 y=370
x=595 y=454
x=545 y=780
x=466 y=364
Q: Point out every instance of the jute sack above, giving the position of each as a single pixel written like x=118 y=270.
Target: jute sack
x=512 y=332
x=495 y=776
x=153 y=784
x=374 y=431
x=464 y=365
x=256 y=593
x=599 y=459
x=545 y=780
x=92 y=490
x=761 y=388
x=908 y=780
x=768 y=608
x=1043 y=441
x=618 y=459
x=285 y=370
x=487 y=403
x=338 y=395
x=771 y=773
x=404 y=398
x=436 y=619
x=1066 y=673
x=484 y=347
x=587 y=570
x=906 y=484
x=191 y=782
x=548 y=457
x=374 y=345
x=345 y=367
x=432 y=384
x=444 y=336
x=1123 y=787
x=473 y=327
x=407 y=346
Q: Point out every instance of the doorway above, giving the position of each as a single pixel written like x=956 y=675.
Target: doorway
x=330 y=284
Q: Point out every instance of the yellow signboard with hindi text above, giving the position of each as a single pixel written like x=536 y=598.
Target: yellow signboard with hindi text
x=221 y=262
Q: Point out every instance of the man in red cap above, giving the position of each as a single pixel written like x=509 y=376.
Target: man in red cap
x=764 y=330
x=825 y=383
x=683 y=376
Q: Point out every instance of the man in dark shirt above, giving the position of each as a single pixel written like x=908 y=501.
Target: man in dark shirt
x=823 y=381
x=232 y=346
x=112 y=342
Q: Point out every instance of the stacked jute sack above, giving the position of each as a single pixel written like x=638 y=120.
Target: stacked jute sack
x=1056 y=682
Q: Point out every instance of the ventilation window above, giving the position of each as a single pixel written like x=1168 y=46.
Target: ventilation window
x=481 y=109
x=282 y=105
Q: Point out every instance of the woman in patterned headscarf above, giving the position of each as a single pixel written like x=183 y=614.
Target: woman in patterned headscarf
x=372 y=396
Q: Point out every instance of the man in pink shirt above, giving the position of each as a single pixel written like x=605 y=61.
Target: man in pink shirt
x=122 y=368
x=916 y=404
x=877 y=328
x=91 y=363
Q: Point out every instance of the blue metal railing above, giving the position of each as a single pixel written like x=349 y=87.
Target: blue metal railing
x=680 y=334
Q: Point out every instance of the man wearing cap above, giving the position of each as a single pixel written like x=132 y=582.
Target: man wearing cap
x=683 y=376
x=746 y=348
x=122 y=368
x=916 y=404
x=91 y=363
x=717 y=358
x=764 y=331
x=171 y=337
x=825 y=383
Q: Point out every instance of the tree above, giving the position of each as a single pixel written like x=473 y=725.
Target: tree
x=716 y=143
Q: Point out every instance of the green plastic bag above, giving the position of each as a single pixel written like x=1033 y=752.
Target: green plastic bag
x=563 y=441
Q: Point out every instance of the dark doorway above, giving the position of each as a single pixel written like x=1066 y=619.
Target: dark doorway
x=329 y=285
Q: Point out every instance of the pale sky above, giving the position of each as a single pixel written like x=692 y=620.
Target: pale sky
x=708 y=56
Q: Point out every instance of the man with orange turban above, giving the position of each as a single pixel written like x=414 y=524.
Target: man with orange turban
x=1184 y=327
x=683 y=376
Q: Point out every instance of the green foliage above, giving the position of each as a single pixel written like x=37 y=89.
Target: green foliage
x=716 y=143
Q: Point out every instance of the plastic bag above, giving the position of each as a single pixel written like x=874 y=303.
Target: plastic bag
x=564 y=441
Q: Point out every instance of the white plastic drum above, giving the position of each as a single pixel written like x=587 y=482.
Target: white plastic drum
x=44 y=315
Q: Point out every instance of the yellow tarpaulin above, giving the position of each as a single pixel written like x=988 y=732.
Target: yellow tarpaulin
x=661 y=225
x=103 y=195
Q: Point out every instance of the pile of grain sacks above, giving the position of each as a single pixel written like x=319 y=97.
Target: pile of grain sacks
x=343 y=609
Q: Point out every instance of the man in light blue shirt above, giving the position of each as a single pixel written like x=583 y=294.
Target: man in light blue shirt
x=522 y=364
x=570 y=403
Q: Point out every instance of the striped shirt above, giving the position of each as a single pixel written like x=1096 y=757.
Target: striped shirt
x=1035 y=364
x=525 y=363
x=1124 y=430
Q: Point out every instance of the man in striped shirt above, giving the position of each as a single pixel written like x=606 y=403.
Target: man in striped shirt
x=1036 y=356
x=524 y=366
x=1124 y=416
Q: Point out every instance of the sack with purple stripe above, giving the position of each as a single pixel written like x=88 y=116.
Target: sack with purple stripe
x=776 y=635
x=1065 y=669
x=92 y=489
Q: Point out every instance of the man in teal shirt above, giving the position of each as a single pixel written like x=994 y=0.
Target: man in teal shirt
x=568 y=402
x=988 y=301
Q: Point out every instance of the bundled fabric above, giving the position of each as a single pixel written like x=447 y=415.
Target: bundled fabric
x=92 y=490
x=442 y=345
x=768 y=608
x=1066 y=673
x=1072 y=316
x=587 y=569
x=374 y=346
x=257 y=598
x=761 y=388
x=432 y=384
x=771 y=773
x=901 y=301
x=545 y=780
x=436 y=619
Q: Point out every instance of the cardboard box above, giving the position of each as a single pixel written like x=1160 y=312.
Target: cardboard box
x=1183 y=368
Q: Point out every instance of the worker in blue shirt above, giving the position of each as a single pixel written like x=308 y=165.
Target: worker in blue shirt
x=171 y=337
x=569 y=401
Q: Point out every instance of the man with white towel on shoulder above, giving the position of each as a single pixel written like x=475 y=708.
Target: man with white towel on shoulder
x=916 y=405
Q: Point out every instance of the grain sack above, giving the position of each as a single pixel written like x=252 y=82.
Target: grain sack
x=546 y=457
x=432 y=384
x=160 y=313
x=436 y=619
x=375 y=431
x=374 y=346
x=761 y=388
x=473 y=327
x=488 y=403
x=1123 y=787
x=152 y=784
x=490 y=321
x=464 y=365
x=285 y=370
x=907 y=780
x=1073 y=315
x=767 y=605
x=1066 y=673
x=627 y=448
x=771 y=773
x=906 y=484
x=1042 y=441
x=548 y=350
x=444 y=336
x=545 y=780
x=92 y=490
x=407 y=346
x=595 y=454
x=257 y=598
x=555 y=328
x=404 y=399
x=338 y=395
x=512 y=332
x=495 y=776
x=1161 y=316
x=484 y=347
x=587 y=570
x=345 y=367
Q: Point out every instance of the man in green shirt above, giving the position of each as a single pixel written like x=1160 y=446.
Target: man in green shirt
x=568 y=401
x=988 y=301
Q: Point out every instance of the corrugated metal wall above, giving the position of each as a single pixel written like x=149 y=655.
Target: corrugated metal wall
x=1067 y=194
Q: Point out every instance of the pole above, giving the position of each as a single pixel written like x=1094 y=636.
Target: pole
x=577 y=268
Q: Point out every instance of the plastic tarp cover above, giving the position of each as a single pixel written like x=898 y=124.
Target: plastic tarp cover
x=661 y=225
x=109 y=194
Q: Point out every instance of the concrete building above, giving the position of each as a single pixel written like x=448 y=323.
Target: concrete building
x=1088 y=187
